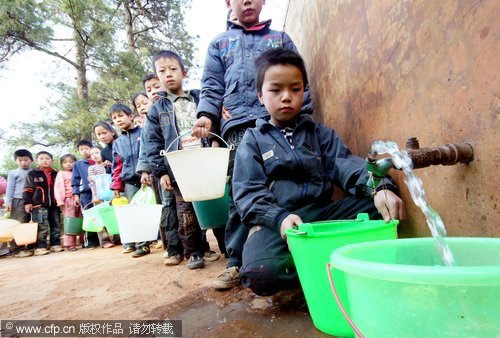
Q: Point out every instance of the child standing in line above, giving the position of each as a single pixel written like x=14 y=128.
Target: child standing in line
x=81 y=188
x=171 y=115
x=125 y=157
x=106 y=135
x=14 y=198
x=39 y=199
x=65 y=199
x=94 y=170
x=229 y=101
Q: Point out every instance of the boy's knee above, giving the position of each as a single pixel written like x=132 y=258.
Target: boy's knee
x=268 y=276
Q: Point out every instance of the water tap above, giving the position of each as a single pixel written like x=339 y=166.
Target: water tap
x=378 y=169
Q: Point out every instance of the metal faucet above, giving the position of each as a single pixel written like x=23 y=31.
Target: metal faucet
x=448 y=154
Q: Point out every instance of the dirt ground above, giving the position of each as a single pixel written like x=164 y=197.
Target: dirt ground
x=106 y=284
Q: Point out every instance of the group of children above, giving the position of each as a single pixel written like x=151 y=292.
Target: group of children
x=282 y=169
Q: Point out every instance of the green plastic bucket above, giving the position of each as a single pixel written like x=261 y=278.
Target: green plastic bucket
x=213 y=213
x=73 y=225
x=400 y=288
x=91 y=219
x=311 y=245
x=107 y=218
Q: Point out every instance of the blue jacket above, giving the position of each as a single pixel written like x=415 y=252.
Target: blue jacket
x=271 y=179
x=126 y=155
x=229 y=75
x=79 y=177
x=160 y=131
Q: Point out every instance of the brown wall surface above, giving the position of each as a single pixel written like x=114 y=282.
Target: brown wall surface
x=392 y=69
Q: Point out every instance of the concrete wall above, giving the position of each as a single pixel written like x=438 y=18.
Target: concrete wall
x=392 y=69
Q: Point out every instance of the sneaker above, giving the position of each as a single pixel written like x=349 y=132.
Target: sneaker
x=24 y=253
x=228 y=279
x=41 y=252
x=56 y=248
x=172 y=260
x=142 y=251
x=195 y=262
x=108 y=245
x=211 y=256
x=128 y=249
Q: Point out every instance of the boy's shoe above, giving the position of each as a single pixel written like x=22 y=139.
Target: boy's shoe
x=24 y=253
x=195 y=262
x=142 y=251
x=211 y=256
x=41 y=252
x=228 y=279
x=172 y=260
x=108 y=245
x=72 y=248
x=56 y=248
x=128 y=249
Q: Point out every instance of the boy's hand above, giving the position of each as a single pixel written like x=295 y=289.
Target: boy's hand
x=226 y=115
x=28 y=207
x=289 y=221
x=60 y=205
x=165 y=182
x=202 y=127
x=389 y=205
x=76 y=202
x=107 y=163
x=116 y=193
x=145 y=178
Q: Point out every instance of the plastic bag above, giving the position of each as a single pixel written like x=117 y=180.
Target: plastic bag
x=145 y=196
x=102 y=183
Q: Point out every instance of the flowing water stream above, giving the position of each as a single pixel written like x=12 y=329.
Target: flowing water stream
x=403 y=161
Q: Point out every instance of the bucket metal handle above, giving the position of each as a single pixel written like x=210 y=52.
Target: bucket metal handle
x=164 y=152
x=339 y=302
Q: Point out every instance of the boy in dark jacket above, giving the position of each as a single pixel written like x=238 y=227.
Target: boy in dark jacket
x=39 y=200
x=125 y=158
x=228 y=86
x=284 y=172
x=81 y=188
x=171 y=115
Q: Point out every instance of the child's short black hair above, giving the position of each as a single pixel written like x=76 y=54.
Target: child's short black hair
x=277 y=56
x=84 y=143
x=136 y=95
x=97 y=147
x=147 y=78
x=23 y=153
x=168 y=54
x=65 y=156
x=117 y=107
x=43 y=152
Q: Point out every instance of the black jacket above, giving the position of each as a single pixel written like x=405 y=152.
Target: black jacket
x=37 y=191
x=272 y=178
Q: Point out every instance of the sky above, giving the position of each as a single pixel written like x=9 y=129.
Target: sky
x=24 y=79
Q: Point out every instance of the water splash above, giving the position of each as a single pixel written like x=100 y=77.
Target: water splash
x=403 y=161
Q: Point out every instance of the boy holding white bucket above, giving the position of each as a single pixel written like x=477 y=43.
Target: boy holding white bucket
x=284 y=171
x=172 y=113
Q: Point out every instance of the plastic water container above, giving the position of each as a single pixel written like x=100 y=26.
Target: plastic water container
x=73 y=225
x=200 y=172
x=213 y=213
x=138 y=223
x=102 y=184
x=5 y=229
x=91 y=220
x=107 y=218
x=311 y=245
x=400 y=288
x=25 y=233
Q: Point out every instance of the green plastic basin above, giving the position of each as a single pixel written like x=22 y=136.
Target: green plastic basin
x=400 y=288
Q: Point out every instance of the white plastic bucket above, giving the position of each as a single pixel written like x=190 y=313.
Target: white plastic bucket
x=200 y=173
x=138 y=223
x=5 y=229
x=25 y=233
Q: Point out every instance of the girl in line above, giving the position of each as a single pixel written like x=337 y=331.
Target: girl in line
x=106 y=135
x=65 y=198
